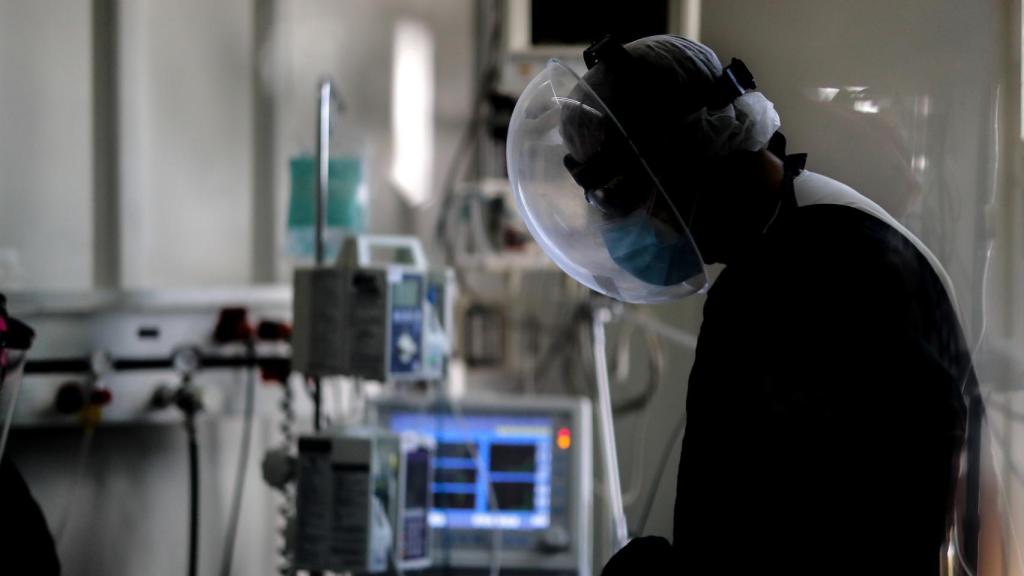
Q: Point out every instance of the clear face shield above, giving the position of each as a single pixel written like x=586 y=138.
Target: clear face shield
x=15 y=340
x=590 y=199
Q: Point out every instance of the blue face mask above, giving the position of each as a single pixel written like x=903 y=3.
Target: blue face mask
x=634 y=245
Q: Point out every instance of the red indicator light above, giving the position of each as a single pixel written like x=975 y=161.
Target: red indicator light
x=564 y=438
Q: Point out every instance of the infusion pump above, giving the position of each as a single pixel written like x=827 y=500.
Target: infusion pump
x=362 y=501
x=380 y=313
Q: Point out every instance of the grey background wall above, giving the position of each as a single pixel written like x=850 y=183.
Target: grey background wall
x=46 y=143
x=186 y=133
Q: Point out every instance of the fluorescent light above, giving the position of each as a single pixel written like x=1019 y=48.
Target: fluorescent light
x=865 y=106
x=412 y=111
x=826 y=94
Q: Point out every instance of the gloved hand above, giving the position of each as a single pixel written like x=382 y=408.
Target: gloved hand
x=649 y=555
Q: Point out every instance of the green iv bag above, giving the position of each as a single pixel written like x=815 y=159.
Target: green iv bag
x=346 y=205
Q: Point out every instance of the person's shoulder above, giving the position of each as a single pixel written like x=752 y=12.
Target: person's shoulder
x=844 y=219
x=842 y=254
x=846 y=233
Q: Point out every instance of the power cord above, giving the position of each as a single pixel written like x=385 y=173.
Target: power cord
x=193 y=525
x=188 y=399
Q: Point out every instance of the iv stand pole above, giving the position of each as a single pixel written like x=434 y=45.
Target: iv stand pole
x=323 y=156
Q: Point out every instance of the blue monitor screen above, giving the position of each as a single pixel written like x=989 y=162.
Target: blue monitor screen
x=491 y=471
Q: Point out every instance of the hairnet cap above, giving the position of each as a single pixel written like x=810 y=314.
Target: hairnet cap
x=653 y=89
x=666 y=101
x=689 y=68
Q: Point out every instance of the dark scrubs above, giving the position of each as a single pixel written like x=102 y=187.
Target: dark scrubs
x=824 y=411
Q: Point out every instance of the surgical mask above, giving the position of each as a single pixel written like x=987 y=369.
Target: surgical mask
x=633 y=243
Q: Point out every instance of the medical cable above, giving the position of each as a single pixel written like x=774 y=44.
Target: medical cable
x=190 y=402
x=243 y=463
x=193 y=524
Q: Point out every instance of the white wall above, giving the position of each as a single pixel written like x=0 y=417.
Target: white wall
x=186 y=127
x=45 y=143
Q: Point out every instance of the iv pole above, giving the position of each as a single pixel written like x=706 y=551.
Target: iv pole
x=323 y=156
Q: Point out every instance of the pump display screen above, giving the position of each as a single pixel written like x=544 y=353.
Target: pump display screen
x=407 y=294
x=490 y=471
